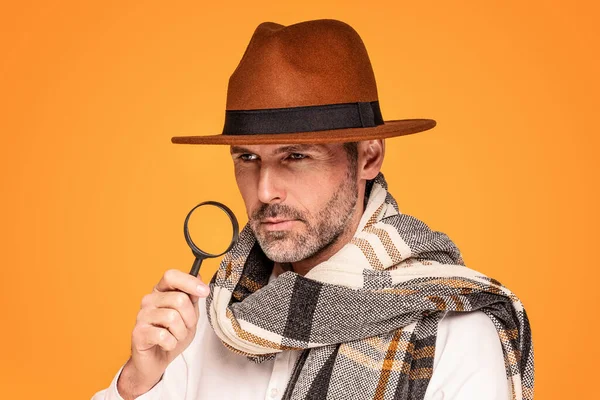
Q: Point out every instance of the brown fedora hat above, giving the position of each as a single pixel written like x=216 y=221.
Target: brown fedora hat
x=310 y=82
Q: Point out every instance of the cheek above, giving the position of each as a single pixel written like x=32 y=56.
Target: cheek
x=310 y=198
x=248 y=189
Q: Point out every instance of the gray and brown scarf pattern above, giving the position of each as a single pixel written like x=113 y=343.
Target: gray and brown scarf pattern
x=367 y=317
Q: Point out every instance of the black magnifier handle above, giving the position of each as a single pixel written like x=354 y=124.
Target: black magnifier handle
x=196 y=266
x=199 y=254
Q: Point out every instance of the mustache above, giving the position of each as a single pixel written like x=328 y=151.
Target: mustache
x=277 y=210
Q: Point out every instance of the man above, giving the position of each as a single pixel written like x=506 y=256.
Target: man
x=330 y=290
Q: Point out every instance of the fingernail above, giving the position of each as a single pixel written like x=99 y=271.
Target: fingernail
x=201 y=289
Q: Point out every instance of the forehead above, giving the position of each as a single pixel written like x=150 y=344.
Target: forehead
x=274 y=149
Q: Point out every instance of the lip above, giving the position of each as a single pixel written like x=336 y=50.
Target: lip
x=277 y=224
x=274 y=220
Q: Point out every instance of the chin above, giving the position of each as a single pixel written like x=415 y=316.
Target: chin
x=283 y=253
x=281 y=256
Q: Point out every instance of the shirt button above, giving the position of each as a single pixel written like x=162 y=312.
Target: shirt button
x=274 y=392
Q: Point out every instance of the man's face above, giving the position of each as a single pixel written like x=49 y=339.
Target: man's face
x=299 y=198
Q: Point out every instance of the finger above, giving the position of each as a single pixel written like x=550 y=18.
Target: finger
x=147 y=336
x=174 y=279
x=167 y=318
x=178 y=300
x=182 y=303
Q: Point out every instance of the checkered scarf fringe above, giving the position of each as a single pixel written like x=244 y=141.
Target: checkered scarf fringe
x=366 y=318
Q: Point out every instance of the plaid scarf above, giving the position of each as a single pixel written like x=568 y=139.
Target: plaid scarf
x=366 y=318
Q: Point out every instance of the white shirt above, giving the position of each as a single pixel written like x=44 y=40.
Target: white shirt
x=468 y=364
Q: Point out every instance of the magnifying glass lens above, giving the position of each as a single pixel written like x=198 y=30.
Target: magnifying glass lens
x=210 y=228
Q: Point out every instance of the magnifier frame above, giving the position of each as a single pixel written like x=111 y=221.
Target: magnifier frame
x=200 y=254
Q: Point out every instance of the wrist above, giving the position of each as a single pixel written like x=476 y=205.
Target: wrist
x=132 y=383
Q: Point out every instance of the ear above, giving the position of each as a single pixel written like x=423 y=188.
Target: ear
x=370 y=158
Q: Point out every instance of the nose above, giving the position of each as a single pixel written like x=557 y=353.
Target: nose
x=270 y=187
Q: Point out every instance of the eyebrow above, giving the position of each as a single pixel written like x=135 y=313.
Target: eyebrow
x=292 y=148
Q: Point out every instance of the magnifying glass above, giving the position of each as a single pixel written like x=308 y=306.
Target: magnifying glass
x=200 y=254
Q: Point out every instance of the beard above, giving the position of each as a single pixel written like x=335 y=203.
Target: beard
x=321 y=229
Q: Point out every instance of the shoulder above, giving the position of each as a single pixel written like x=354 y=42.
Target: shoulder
x=467 y=327
x=469 y=360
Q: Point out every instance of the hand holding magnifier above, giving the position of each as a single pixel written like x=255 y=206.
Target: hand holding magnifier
x=199 y=254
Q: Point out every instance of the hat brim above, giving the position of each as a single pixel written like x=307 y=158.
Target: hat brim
x=387 y=129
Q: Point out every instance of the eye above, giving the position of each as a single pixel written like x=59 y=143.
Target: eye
x=247 y=157
x=297 y=156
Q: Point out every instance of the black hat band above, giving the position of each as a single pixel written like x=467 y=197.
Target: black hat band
x=303 y=119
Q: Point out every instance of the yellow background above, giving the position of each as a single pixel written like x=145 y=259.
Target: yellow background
x=94 y=194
